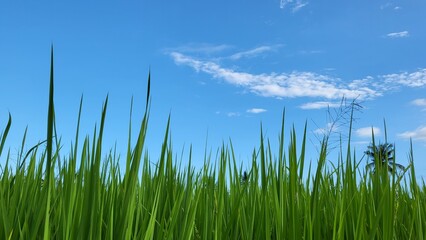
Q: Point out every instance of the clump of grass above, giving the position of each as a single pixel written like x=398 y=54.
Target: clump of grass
x=86 y=197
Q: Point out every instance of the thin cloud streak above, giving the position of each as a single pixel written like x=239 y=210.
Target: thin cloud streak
x=256 y=110
x=299 y=5
x=253 y=52
x=233 y=114
x=402 y=34
x=319 y=105
x=203 y=48
x=296 y=5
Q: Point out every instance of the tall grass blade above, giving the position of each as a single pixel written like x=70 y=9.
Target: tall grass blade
x=50 y=123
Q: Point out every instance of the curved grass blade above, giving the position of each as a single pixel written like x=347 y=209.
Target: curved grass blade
x=4 y=135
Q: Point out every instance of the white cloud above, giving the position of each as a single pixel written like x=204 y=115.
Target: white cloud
x=421 y=102
x=256 y=110
x=390 y=5
x=233 y=114
x=204 y=48
x=402 y=34
x=366 y=131
x=299 y=5
x=296 y=5
x=295 y=84
x=418 y=134
x=319 y=105
x=362 y=83
x=414 y=79
x=253 y=52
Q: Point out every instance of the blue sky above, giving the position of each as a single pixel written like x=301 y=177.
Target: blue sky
x=220 y=68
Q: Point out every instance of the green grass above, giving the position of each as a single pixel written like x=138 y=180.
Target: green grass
x=82 y=195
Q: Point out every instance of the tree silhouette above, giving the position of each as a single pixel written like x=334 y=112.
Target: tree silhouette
x=382 y=156
x=244 y=178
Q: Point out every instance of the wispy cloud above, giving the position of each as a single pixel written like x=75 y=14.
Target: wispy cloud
x=319 y=105
x=421 y=102
x=413 y=79
x=204 y=48
x=299 y=5
x=389 y=5
x=366 y=131
x=417 y=134
x=253 y=52
x=284 y=3
x=256 y=110
x=402 y=34
x=295 y=5
x=295 y=84
x=233 y=114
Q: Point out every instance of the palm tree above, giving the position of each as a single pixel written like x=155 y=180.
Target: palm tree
x=244 y=178
x=382 y=155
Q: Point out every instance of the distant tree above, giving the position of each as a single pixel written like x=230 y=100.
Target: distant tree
x=244 y=178
x=382 y=156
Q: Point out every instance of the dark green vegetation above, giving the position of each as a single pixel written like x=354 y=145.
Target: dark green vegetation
x=82 y=195
x=383 y=156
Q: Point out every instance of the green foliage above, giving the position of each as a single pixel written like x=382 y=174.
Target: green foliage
x=86 y=197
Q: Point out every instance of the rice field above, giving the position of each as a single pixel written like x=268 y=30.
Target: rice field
x=84 y=195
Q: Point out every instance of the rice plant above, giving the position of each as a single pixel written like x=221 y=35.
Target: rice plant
x=83 y=195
